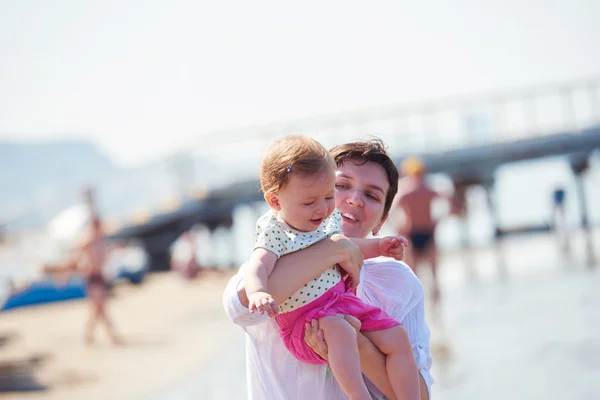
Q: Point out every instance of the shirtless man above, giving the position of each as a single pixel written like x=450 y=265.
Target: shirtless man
x=415 y=199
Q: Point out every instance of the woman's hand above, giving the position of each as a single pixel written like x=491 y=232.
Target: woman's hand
x=351 y=259
x=313 y=336
x=293 y=270
x=315 y=339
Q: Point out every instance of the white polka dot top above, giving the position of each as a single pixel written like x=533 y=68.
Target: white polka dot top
x=278 y=237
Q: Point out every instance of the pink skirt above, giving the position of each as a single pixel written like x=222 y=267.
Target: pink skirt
x=337 y=300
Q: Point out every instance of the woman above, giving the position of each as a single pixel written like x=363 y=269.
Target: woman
x=90 y=258
x=366 y=183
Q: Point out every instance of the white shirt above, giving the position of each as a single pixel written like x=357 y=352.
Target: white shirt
x=274 y=374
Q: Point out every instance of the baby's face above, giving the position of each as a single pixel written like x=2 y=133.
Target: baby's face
x=304 y=202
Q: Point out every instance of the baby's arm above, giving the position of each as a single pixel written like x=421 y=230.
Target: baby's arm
x=368 y=247
x=260 y=266
x=389 y=246
x=295 y=269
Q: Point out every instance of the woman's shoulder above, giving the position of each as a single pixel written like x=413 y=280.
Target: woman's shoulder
x=389 y=271
x=386 y=262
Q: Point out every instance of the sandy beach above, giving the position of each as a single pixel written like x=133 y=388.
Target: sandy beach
x=524 y=328
x=171 y=327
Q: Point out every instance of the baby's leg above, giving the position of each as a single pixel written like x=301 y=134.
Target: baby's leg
x=340 y=337
x=372 y=364
x=400 y=361
x=355 y=322
x=372 y=361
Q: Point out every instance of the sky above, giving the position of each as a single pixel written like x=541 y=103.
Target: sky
x=142 y=79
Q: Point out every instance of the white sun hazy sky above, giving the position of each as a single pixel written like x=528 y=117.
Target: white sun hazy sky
x=144 y=78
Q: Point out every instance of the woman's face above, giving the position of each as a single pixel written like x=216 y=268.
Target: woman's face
x=360 y=192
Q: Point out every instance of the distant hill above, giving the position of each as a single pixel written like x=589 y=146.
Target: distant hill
x=39 y=180
x=44 y=176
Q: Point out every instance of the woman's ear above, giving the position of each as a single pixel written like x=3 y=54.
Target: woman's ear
x=377 y=227
x=272 y=200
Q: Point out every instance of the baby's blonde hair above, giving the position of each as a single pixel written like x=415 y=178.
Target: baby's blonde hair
x=292 y=155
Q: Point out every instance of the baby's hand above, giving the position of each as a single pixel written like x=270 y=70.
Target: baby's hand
x=263 y=302
x=393 y=246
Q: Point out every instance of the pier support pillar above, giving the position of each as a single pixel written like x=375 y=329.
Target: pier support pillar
x=579 y=164
x=459 y=208
x=489 y=186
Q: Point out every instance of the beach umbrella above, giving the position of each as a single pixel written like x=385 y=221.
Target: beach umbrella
x=70 y=224
x=63 y=232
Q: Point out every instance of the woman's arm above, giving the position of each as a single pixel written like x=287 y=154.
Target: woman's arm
x=295 y=269
x=419 y=334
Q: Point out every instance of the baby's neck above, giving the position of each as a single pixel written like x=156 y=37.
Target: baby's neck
x=278 y=216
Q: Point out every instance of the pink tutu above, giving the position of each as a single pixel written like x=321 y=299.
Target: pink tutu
x=337 y=300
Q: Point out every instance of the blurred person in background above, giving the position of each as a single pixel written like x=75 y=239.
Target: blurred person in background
x=365 y=185
x=559 y=224
x=415 y=199
x=183 y=255
x=89 y=258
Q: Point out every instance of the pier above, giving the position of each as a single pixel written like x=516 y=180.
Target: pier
x=466 y=138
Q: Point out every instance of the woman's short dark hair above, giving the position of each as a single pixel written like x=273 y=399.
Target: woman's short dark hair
x=373 y=150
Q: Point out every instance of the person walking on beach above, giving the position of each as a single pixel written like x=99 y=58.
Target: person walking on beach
x=89 y=259
x=415 y=199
